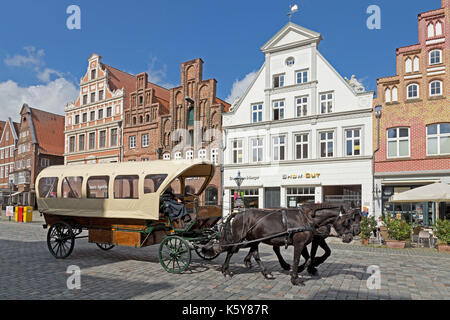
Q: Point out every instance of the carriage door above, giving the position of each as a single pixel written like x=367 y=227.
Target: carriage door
x=272 y=197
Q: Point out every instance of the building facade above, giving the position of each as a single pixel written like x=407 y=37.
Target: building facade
x=94 y=122
x=193 y=127
x=413 y=140
x=40 y=144
x=8 y=142
x=300 y=133
x=142 y=131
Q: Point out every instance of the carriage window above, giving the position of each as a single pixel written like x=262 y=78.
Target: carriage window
x=48 y=187
x=175 y=186
x=71 y=187
x=126 y=187
x=152 y=182
x=193 y=185
x=97 y=187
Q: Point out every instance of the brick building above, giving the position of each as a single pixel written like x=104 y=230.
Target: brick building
x=142 y=132
x=181 y=123
x=414 y=127
x=40 y=143
x=93 y=125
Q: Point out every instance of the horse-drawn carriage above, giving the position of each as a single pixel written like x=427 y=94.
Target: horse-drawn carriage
x=123 y=205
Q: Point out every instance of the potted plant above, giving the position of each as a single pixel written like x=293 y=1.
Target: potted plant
x=367 y=225
x=442 y=232
x=399 y=231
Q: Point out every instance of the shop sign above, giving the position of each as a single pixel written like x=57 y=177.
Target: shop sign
x=10 y=211
x=307 y=175
x=247 y=178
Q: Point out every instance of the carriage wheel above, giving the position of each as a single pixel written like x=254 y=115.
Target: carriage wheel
x=174 y=254
x=204 y=257
x=60 y=240
x=105 y=246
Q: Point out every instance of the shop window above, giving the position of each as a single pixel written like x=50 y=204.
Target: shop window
x=211 y=196
x=126 y=187
x=71 y=187
x=97 y=187
x=297 y=196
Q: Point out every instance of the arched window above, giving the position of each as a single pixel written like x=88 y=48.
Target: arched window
x=387 y=95
x=408 y=65
x=394 y=94
x=412 y=91
x=438 y=28
x=189 y=155
x=435 y=88
x=202 y=154
x=147 y=118
x=435 y=57
x=141 y=119
x=416 y=64
x=430 y=30
x=211 y=196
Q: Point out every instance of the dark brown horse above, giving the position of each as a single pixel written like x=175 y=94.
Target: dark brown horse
x=352 y=216
x=249 y=228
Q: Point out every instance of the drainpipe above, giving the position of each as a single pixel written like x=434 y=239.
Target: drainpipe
x=223 y=147
x=378 y=116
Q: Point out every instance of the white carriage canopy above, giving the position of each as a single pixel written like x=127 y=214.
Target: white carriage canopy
x=115 y=190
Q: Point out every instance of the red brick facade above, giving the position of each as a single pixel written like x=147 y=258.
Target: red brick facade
x=415 y=99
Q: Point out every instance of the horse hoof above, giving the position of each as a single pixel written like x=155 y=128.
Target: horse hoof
x=269 y=276
x=297 y=281
x=286 y=267
x=312 y=271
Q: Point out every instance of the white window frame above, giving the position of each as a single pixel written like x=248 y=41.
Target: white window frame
x=89 y=140
x=257 y=110
x=257 y=149
x=302 y=144
x=280 y=80
x=280 y=106
x=177 y=155
x=237 y=151
x=387 y=95
x=438 y=28
x=303 y=105
x=327 y=102
x=74 y=149
x=326 y=141
x=352 y=139
x=435 y=58
x=145 y=140
x=438 y=135
x=407 y=91
x=166 y=156
x=408 y=65
x=215 y=156
x=302 y=74
x=132 y=142
x=397 y=139
x=189 y=155
x=431 y=89
x=79 y=149
x=276 y=147
x=202 y=154
x=100 y=139
x=394 y=93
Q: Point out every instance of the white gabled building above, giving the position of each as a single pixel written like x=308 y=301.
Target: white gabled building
x=301 y=132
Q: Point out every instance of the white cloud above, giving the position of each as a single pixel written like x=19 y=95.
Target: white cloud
x=34 y=58
x=240 y=86
x=158 y=75
x=51 y=97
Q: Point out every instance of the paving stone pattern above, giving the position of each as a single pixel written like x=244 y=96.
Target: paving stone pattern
x=29 y=271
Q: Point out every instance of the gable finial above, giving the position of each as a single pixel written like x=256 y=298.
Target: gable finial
x=292 y=9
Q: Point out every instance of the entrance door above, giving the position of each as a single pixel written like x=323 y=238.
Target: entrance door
x=272 y=197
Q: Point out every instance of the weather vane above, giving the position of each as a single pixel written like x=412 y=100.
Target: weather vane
x=293 y=9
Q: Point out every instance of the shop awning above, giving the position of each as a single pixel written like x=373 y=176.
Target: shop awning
x=436 y=192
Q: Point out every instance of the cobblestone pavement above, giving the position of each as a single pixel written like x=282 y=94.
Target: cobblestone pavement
x=29 y=271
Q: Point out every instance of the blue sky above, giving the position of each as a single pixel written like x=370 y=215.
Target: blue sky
x=39 y=55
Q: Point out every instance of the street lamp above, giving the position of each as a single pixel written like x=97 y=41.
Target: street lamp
x=239 y=179
x=374 y=190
